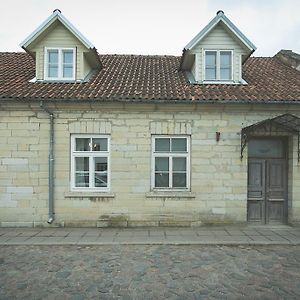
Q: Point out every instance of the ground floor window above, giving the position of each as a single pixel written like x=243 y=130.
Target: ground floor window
x=90 y=162
x=171 y=162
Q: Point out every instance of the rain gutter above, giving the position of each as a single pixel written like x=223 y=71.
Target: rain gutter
x=155 y=101
x=50 y=164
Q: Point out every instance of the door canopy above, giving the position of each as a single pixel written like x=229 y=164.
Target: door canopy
x=285 y=122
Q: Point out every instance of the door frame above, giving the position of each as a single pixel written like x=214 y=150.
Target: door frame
x=285 y=143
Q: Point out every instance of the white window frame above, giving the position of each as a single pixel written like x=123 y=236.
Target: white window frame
x=170 y=155
x=218 y=66
x=60 y=64
x=91 y=155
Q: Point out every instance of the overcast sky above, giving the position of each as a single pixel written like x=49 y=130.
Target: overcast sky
x=155 y=26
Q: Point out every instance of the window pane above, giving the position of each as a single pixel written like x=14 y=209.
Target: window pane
x=100 y=171
x=100 y=164
x=210 y=58
x=210 y=65
x=162 y=164
x=52 y=71
x=99 y=144
x=68 y=56
x=210 y=74
x=68 y=72
x=178 y=145
x=101 y=179
x=53 y=56
x=82 y=144
x=82 y=180
x=161 y=179
x=225 y=74
x=162 y=144
x=266 y=148
x=179 y=179
x=179 y=164
x=225 y=58
x=82 y=164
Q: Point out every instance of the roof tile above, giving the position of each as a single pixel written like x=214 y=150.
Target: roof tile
x=138 y=77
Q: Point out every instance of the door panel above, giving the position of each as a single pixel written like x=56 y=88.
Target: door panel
x=255 y=210
x=276 y=190
x=275 y=212
x=256 y=190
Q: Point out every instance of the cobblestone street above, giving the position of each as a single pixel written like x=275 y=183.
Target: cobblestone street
x=149 y=272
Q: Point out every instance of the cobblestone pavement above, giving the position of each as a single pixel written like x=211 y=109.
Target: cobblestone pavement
x=149 y=272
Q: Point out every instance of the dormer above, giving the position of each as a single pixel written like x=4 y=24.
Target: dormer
x=216 y=54
x=61 y=52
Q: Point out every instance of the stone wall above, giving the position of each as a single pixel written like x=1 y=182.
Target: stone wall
x=218 y=177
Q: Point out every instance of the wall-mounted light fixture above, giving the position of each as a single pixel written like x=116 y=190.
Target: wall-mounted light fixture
x=218 y=134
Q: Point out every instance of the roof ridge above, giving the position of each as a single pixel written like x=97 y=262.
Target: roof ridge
x=140 y=55
x=261 y=57
x=13 y=52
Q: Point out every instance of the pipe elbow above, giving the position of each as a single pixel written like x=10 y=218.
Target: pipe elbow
x=50 y=220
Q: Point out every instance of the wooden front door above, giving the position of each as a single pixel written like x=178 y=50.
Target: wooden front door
x=267 y=181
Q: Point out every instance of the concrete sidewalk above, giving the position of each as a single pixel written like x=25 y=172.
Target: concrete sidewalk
x=231 y=235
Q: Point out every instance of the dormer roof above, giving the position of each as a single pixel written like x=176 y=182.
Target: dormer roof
x=221 y=18
x=46 y=26
x=56 y=15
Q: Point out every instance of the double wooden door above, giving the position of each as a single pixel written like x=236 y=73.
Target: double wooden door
x=267 y=185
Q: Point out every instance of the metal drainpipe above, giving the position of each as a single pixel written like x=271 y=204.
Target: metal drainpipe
x=51 y=165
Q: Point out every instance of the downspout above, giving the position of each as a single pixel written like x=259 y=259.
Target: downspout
x=50 y=165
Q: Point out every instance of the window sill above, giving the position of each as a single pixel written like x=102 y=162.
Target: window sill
x=89 y=195
x=59 y=80
x=171 y=195
x=229 y=82
x=219 y=82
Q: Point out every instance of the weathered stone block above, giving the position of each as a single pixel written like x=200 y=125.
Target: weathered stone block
x=20 y=189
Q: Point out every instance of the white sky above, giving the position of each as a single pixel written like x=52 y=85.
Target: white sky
x=155 y=26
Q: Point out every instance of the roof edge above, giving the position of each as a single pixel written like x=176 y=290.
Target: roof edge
x=220 y=17
x=56 y=15
x=153 y=101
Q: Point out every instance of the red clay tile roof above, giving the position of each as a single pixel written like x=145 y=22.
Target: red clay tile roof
x=143 y=78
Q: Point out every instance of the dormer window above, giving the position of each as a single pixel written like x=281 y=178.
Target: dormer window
x=218 y=65
x=61 y=52
x=60 y=64
x=217 y=53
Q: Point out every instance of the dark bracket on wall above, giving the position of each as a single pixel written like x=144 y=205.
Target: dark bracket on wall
x=243 y=143
x=286 y=122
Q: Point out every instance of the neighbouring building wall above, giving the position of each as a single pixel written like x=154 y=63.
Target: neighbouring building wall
x=289 y=58
x=218 y=176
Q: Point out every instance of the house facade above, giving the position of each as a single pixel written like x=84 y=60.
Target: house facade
x=130 y=140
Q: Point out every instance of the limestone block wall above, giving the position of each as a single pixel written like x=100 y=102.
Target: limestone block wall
x=23 y=165
x=218 y=191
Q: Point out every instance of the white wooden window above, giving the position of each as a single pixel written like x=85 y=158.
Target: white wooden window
x=218 y=65
x=171 y=162
x=60 y=63
x=90 y=162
